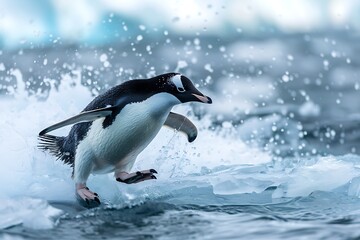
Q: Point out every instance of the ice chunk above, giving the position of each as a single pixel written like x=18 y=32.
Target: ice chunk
x=327 y=174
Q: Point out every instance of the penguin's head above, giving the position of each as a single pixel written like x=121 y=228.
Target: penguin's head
x=183 y=89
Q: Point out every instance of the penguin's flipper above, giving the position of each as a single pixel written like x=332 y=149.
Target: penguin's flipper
x=182 y=124
x=87 y=116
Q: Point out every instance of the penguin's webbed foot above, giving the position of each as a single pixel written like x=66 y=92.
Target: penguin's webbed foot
x=136 y=177
x=85 y=197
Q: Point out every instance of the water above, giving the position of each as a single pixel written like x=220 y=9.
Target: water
x=276 y=155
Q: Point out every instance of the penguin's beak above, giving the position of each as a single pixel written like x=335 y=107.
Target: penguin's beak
x=204 y=99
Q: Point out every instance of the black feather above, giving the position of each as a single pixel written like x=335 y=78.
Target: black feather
x=57 y=147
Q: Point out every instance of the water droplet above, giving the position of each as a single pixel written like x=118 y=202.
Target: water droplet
x=103 y=57
x=285 y=78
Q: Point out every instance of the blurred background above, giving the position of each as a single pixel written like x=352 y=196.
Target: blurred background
x=277 y=151
x=25 y=24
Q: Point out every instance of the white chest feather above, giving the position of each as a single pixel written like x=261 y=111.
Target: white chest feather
x=132 y=130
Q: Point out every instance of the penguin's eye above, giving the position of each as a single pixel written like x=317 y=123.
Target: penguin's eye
x=180 y=89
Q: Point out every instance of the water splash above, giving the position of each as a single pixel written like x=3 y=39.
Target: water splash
x=218 y=164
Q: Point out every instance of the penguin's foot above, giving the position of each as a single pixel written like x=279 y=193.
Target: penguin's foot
x=85 y=197
x=136 y=177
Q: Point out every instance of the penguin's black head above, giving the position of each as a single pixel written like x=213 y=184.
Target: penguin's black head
x=182 y=88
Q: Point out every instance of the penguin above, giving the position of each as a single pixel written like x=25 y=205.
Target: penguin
x=116 y=126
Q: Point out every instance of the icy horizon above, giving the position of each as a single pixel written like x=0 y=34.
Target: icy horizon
x=74 y=22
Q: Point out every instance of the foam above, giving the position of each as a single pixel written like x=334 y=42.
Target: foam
x=25 y=210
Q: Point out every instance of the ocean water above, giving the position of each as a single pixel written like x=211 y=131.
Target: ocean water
x=277 y=154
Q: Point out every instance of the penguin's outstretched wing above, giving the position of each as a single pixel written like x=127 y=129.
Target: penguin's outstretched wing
x=182 y=124
x=86 y=116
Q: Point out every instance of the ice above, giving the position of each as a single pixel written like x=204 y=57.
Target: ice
x=327 y=174
x=31 y=213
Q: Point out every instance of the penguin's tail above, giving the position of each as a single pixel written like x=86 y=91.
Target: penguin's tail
x=51 y=143
x=55 y=145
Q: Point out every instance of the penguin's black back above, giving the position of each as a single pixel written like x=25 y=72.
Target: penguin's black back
x=119 y=96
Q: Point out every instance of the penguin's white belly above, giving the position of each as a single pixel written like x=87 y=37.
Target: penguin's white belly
x=124 y=139
x=132 y=130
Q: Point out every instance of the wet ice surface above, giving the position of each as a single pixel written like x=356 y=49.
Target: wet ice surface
x=276 y=155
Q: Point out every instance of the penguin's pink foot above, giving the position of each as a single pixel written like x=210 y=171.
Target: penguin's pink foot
x=85 y=197
x=136 y=177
